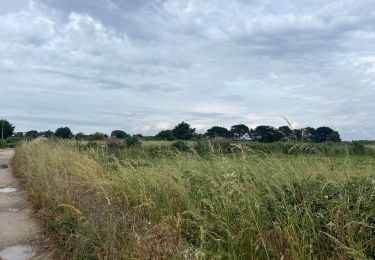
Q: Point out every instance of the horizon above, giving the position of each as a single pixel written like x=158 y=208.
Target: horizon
x=145 y=66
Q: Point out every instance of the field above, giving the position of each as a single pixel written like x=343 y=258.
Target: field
x=203 y=200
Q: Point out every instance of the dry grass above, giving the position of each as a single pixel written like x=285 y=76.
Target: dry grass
x=137 y=204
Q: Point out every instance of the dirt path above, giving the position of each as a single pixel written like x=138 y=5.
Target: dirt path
x=18 y=230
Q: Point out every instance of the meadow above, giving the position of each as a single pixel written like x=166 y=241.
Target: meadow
x=202 y=200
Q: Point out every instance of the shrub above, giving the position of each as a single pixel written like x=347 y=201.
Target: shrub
x=203 y=147
x=181 y=146
x=113 y=143
x=132 y=142
x=221 y=144
x=3 y=144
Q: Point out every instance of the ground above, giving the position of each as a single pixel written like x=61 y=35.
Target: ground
x=19 y=234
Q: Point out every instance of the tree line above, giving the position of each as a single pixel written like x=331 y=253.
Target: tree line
x=183 y=131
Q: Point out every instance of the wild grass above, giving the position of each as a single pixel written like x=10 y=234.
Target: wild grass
x=154 y=202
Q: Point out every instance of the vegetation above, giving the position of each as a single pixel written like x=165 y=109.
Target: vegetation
x=119 y=134
x=64 y=132
x=210 y=199
x=6 y=129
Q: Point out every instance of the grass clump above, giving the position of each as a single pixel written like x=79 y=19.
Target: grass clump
x=160 y=202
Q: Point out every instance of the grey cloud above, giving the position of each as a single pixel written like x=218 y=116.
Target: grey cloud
x=145 y=65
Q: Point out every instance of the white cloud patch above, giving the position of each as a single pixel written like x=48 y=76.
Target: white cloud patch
x=144 y=66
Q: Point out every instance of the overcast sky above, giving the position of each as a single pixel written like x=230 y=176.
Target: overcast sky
x=146 y=65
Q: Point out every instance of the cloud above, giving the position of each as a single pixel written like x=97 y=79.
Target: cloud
x=147 y=65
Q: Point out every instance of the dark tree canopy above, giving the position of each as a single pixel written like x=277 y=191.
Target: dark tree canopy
x=218 y=131
x=266 y=134
x=165 y=135
x=308 y=134
x=239 y=131
x=286 y=132
x=96 y=136
x=6 y=129
x=64 y=132
x=31 y=134
x=119 y=134
x=326 y=134
x=81 y=136
x=47 y=133
x=18 y=134
x=183 y=131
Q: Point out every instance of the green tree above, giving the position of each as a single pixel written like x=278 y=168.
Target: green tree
x=286 y=132
x=18 y=134
x=325 y=134
x=239 y=131
x=64 y=132
x=96 y=136
x=218 y=131
x=266 y=134
x=119 y=134
x=309 y=134
x=6 y=129
x=47 y=134
x=166 y=135
x=31 y=134
x=81 y=136
x=183 y=131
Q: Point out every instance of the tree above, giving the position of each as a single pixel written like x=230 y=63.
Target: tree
x=31 y=134
x=96 y=136
x=297 y=134
x=81 y=136
x=165 y=135
x=265 y=134
x=238 y=131
x=324 y=134
x=309 y=134
x=119 y=134
x=286 y=132
x=6 y=129
x=183 y=131
x=18 y=134
x=47 y=134
x=218 y=131
x=64 y=132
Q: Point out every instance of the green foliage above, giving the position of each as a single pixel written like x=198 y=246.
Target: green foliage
x=3 y=144
x=64 y=132
x=183 y=131
x=96 y=136
x=204 y=147
x=119 y=134
x=218 y=131
x=238 y=131
x=6 y=129
x=133 y=141
x=142 y=203
x=181 y=146
x=166 y=135
x=81 y=136
x=31 y=134
x=324 y=134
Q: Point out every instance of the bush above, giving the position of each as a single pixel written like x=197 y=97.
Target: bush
x=3 y=144
x=181 y=146
x=133 y=142
x=221 y=144
x=116 y=144
x=203 y=147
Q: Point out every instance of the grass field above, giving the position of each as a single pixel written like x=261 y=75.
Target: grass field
x=203 y=201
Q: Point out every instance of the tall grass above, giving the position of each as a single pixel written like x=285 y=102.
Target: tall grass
x=149 y=203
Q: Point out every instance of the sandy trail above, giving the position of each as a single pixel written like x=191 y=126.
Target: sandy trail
x=18 y=230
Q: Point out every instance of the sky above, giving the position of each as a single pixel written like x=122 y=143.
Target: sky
x=146 y=65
